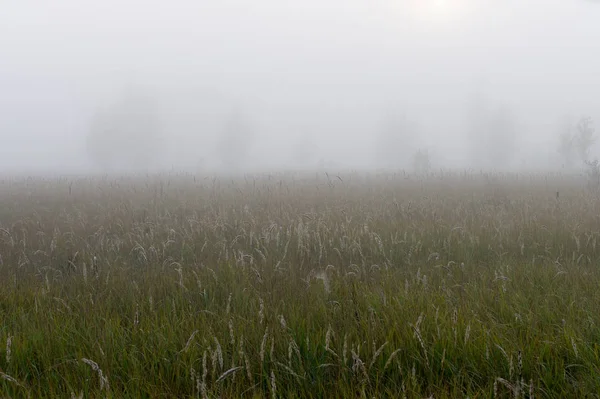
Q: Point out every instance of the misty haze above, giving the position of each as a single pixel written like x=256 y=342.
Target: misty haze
x=383 y=198
x=443 y=74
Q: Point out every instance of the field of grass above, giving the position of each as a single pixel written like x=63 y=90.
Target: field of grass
x=290 y=286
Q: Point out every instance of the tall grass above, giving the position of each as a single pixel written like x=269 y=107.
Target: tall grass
x=300 y=286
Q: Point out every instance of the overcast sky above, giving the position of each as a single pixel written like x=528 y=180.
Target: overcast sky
x=324 y=74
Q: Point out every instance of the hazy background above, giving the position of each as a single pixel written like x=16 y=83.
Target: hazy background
x=260 y=84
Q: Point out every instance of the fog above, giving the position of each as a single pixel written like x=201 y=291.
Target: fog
x=280 y=84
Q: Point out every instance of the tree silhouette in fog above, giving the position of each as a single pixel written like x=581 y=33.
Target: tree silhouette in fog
x=396 y=144
x=235 y=141
x=126 y=134
x=492 y=134
x=576 y=141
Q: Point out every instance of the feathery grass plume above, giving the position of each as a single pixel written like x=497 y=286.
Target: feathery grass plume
x=417 y=334
x=11 y=379
x=8 y=349
x=345 y=350
x=358 y=366
x=228 y=372
x=204 y=367
x=520 y=365
x=136 y=317
x=198 y=282
x=214 y=360
x=189 y=342
x=248 y=369
x=290 y=352
x=231 y=333
x=228 y=310
x=193 y=374
x=391 y=359
x=322 y=275
x=261 y=311
x=262 y=255
x=263 y=345
x=282 y=322
x=273 y=385
x=104 y=385
x=195 y=377
x=328 y=336
x=513 y=389
x=289 y=370
x=219 y=352
x=272 y=351
x=377 y=353
x=531 y=389
x=454 y=324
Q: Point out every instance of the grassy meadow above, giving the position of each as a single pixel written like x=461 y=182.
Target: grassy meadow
x=294 y=286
